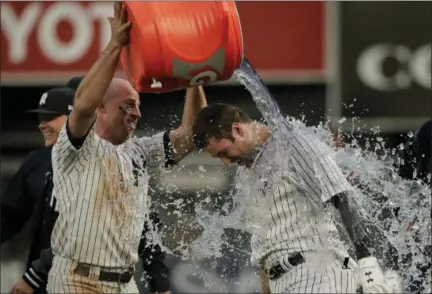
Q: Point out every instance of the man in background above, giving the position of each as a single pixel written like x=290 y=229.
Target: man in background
x=416 y=164
x=29 y=194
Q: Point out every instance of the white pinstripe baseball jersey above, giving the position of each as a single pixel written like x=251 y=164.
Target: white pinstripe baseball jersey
x=101 y=191
x=290 y=186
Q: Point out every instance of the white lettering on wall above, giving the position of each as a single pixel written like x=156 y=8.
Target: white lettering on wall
x=414 y=67
x=17 y=29
x=100 y=12
x=44 y=23
x=55 y=49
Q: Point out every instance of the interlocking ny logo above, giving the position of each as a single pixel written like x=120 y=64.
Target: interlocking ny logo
x=369 y=280
x=42 y=101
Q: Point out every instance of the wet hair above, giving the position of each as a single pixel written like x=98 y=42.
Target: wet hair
x=215 y=122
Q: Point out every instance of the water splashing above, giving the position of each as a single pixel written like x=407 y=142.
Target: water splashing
x=401 y=208
x=264 y=101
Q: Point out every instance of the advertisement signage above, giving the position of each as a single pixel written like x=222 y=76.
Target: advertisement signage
x=385 y=62
x=47 y=42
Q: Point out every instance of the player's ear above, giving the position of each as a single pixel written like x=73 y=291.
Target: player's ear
x=101 y=108
x=237 y=129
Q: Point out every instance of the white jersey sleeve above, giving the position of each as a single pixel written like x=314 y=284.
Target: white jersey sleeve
x=317 y=170
x=156 y=149
x=65 y=155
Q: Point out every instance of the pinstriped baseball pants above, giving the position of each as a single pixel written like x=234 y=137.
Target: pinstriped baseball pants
x=330 y=278
x=61 y=279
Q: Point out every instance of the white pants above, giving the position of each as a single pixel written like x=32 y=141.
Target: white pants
x=317 y=277
x=62 y=279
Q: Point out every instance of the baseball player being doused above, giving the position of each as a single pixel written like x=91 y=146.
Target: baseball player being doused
x=101 y=179
x=292 y=189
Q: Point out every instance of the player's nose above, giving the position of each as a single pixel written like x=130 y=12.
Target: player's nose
x=136 y=113
x=42 y=125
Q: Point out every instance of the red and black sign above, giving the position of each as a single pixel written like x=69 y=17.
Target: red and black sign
x=46 y=42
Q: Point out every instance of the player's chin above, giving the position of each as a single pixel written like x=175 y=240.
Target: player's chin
x=127 y=131
x=50 y=140
x=49 y=143
x=244 y=162
x=240 y=162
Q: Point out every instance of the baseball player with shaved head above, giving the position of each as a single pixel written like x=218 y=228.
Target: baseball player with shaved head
x=292 y=187
x=101 y=179
x=29 y=185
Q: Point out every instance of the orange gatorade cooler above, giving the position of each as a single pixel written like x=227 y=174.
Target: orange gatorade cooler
x=177 y=44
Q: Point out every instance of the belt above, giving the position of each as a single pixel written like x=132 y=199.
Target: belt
x=106 y=276
x=278 y=271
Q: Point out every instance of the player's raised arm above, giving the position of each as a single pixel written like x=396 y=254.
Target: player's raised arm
x=92 y=89
x=169 y=147
x=182 y=138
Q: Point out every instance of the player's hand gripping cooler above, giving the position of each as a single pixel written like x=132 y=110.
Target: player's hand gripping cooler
x=175 y=45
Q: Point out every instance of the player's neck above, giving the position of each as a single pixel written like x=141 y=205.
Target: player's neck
x=103 y=132
x=262 y=133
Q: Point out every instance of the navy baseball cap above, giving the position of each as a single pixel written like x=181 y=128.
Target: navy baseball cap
x=55 y=102
x=74 y=83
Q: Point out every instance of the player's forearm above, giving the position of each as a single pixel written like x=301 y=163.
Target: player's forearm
x=354 y=224
x=265 y=287
x=157 y=275
x=37 y=274
x=181 y=138
x=92 y=89
x=195 y=101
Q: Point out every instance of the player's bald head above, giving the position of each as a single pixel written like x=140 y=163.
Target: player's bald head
x=119 y=112
x=119 y=88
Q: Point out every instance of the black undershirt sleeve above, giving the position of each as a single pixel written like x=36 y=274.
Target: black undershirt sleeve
x=367 y=237
x=169 y=152
x=153 y=258
x=354 y=223
x=76 y=142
